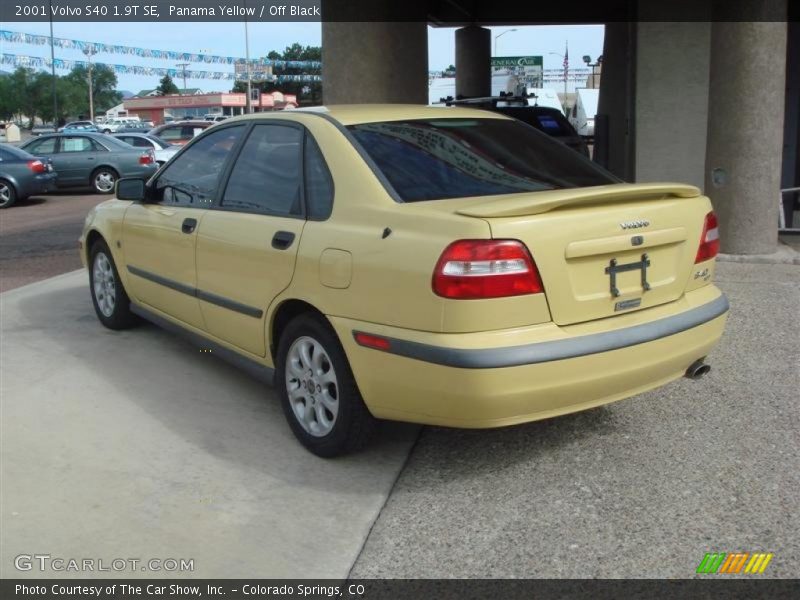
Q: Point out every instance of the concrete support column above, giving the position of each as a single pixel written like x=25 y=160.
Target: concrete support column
x=374 y=62
x=617 y=97
x=745 y=124
x=473 y=61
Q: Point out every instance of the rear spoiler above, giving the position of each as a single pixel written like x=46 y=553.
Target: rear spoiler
x=534 y=203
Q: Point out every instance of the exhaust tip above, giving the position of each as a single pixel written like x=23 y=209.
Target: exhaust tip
x=697 y=369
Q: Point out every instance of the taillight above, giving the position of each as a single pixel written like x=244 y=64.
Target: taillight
x=473 y=269
x=147 y=158
x=36 y=166
x=709 y=241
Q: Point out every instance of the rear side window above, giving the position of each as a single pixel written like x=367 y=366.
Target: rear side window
x=266 y=177
x=319 y=184
x=45 y=146
x=434 y=159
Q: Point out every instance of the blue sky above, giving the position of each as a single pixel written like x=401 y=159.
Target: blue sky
x=228 y=39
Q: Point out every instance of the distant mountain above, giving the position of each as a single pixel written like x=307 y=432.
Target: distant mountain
x=126 y=94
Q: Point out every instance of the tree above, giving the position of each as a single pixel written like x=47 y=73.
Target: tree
x=166 y=86
x=104 y=94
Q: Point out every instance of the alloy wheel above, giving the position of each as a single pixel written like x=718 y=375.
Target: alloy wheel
x=104 y=284
x=312 y=386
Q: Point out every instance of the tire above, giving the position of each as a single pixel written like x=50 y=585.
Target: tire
x=8 y=195
x=337 y=421
x=111 y=302
x=103 y=180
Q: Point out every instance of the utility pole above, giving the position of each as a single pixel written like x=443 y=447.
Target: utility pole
x=249 y=102
x=53 y=69
x=182 y=67
x=89 y=52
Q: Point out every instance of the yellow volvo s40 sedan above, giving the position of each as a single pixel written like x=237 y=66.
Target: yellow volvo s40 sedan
x=444 y=266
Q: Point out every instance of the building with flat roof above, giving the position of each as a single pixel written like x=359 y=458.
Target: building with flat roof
x=155 y=108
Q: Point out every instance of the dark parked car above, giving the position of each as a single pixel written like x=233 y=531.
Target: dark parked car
x=23 y=175
x=181 y=132
x=546 y=119
x=93 y=159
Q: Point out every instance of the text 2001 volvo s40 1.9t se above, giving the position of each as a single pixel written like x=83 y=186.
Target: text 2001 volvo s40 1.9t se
x=435 y=265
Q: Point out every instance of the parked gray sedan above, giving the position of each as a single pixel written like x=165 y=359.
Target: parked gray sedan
x=23 y=175
x=92 y=159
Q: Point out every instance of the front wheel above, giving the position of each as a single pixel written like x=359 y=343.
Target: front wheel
x=318 y=392
x=103 y=180
x=111 y=302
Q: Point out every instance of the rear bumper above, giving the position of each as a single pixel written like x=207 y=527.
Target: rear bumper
x=491 y=379
x=39 y=184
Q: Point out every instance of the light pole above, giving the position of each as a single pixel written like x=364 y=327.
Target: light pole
x=182 y=67
x=501 y=34
x=53 y=69
x=566 y=75
x=249 y=101
x=89 y=52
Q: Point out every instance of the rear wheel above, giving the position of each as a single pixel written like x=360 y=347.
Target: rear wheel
x=111 y=302
x=103 y=180
x=318 y=392
x=8 y=195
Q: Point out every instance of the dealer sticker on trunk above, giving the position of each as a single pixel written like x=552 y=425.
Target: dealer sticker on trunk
x=626 y=304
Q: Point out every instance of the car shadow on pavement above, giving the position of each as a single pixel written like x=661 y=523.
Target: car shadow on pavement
x=470 y=452
x=210 y=404
x=30 y=201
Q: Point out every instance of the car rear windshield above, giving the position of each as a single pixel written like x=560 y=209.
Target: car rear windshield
x=432 y=159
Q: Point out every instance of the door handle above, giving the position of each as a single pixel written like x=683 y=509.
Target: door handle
x=188 y=225
x=282 y=240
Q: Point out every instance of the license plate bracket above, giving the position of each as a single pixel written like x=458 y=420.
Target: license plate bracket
x=614 y=267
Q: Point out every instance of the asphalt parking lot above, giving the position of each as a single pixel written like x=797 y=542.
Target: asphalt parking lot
x=177 y=454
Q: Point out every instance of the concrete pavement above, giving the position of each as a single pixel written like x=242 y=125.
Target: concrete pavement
x=135 y=445
x=640 y=488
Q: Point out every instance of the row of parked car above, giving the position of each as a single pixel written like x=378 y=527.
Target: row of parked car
x=80 y=157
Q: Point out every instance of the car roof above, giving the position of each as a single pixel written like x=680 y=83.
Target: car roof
x=354 y=114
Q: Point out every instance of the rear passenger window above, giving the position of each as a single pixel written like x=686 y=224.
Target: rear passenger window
x=45 y=146
x=266 y=176
x=319 y=185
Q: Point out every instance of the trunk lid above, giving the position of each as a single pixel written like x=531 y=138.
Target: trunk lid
x=604 y=250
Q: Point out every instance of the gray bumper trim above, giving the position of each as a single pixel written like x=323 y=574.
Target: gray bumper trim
x=529 y=354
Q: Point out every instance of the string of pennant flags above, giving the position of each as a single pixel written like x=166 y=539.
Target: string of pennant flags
x=16 y=37
x=18 y=60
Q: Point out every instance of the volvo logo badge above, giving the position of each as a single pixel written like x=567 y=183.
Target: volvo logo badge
x=637 y=224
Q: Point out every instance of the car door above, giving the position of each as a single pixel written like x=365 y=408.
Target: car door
x=76 y=159
x=159 y=235
x=247 y=244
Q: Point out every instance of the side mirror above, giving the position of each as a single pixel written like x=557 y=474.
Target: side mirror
x=130 y=188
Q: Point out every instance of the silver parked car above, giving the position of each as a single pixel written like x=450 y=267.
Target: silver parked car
x=162 y=149
x=92 y=159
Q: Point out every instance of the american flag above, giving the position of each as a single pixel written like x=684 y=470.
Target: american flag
x=566 y=61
